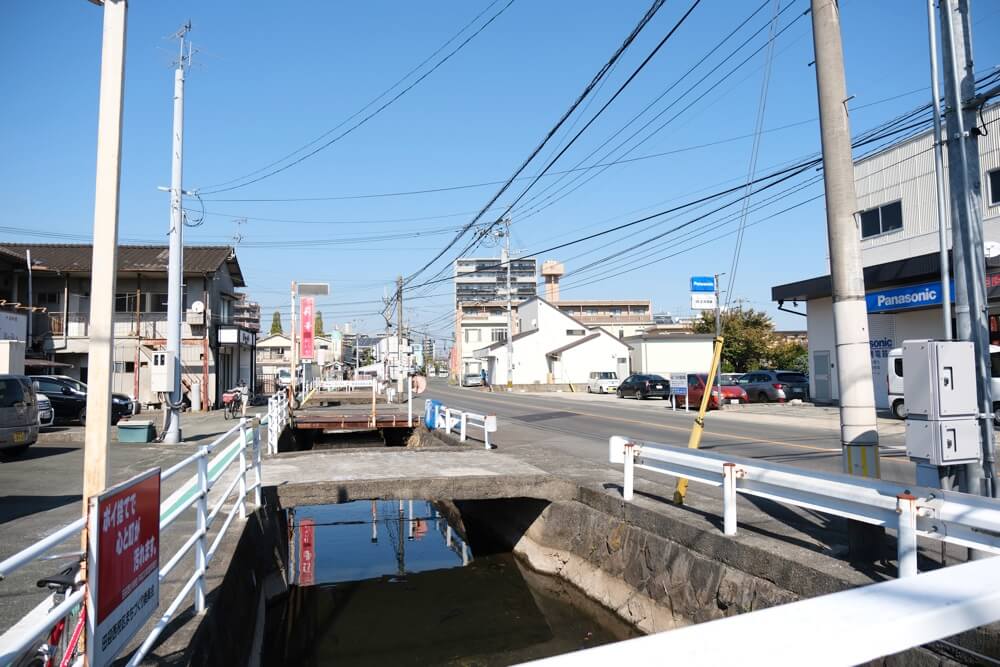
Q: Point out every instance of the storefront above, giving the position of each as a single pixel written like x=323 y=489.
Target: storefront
x=237 y=353
x=904 y=302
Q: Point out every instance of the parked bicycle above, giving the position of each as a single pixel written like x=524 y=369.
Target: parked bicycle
x=233 y=401
x=62 y=645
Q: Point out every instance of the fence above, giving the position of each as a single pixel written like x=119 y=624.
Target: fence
x=234 y=444
x=277 y=419
x=847 y=628
x=957 y=518
x=451 y=420
x=345 y=385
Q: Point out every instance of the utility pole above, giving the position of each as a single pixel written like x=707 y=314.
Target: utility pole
x=294 y=352
x=967 y=224
x=942 y=214
x=175 y=265
x=399 y=337
x=858 y=431
x=510 y=312
x=105 y=254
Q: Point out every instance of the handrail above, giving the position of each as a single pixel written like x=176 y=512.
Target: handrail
x=195 y=492
x=957 y=518
x=450 y=420
x=872 y=621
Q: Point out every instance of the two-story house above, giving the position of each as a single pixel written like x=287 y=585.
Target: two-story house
x=216 y=353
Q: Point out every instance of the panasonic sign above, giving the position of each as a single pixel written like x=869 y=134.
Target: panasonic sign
x=905 y=298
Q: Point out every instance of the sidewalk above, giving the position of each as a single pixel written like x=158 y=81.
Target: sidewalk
x=196 y=427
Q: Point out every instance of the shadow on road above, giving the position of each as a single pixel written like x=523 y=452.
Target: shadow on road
x=16 y=507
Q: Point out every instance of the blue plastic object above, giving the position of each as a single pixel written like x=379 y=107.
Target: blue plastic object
x=430 y=412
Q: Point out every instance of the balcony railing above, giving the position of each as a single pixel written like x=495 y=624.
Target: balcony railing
x=608 y=318
x=77 y=325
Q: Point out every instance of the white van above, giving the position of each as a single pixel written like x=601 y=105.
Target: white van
x=603 y=382
x=895 y=382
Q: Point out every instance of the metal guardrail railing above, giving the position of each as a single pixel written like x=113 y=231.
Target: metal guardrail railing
x=867 y=623
x=233 y=446
x=451 y=420
x=949 y=516
x=277 y=419
x=345 y=385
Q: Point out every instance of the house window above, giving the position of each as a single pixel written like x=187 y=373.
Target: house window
x=994 y=179
x=125 y=302
x=498 y=335
x=473 y=336
x=882 y=219
x=575 y=332
x=157 y=302
x=46 y=299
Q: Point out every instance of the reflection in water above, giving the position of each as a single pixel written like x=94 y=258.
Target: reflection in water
x=392 y=582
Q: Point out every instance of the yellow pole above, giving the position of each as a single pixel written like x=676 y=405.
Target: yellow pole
x=699 y=421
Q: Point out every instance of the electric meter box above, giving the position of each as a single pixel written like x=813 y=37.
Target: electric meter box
x=943 y=442
x=162 y=373
x=939 y=379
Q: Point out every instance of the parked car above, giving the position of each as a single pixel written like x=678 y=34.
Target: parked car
x=18 y=414
x=602 y=382
x=46 y=415
x=644 y=386
x=731 y=393
x=69 y=399
x=472 y=380
x=731 y=378
x=769 y=385
x=897 y=404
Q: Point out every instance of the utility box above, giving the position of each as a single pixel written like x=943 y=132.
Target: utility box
x=943 y=442
x=163 y=372
x=940 y=379
x=12 y=357
x=939 y=383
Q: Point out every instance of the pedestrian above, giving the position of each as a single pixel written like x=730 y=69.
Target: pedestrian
x=485 y=379
x=244 y=397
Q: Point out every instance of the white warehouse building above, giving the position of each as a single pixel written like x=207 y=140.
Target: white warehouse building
x=553 y=348
x=897 y=222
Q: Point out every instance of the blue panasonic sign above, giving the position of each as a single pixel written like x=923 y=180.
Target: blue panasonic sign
x=702 y=283
x=906 y=298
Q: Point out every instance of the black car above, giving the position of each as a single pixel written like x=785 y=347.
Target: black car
x=644 y=386
x=70 y=403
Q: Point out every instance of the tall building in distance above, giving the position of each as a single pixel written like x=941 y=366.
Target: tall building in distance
x=246 y=313
x=481 y=304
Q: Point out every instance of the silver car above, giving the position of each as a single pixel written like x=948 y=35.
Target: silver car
x=770 y=385
x=18 y=414
x=46 y=415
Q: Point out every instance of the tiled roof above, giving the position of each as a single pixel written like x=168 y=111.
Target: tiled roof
x=77 y=258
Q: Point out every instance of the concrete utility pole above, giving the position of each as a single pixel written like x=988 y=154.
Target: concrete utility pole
x=510 y=312
x=971 y=314
x=294 y=352
x=858 y=432
x=942 y=213
x=175 y=265
x=105 y=255
x=399 y=337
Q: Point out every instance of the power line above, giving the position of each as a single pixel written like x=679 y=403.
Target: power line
x=366 y=118
x=647 y=17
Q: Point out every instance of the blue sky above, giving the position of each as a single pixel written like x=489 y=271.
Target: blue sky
x=269 y=78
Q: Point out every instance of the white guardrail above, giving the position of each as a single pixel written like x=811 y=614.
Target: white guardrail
x=277 y=419
x=949 y=516
x=345 y=385
x=451 y=420
x=234 y=446
x=847 y=628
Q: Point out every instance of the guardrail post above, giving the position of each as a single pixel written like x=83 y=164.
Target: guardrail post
x=628 y=489
x=729 y=498
x=409 y=402
x=256 y=467
x=272 y=425
x=447 y=421
x=200 y=554
x=243 y=468
x=486 y=437
x=462 y=428
x=906 y=534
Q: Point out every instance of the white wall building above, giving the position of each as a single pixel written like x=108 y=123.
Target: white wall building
x=553 y=348
x=897 y=222
x=666 y=353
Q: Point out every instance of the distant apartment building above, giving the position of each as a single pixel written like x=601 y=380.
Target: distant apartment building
x=619 y=317
x=481 y=301
x=246 y=313
x=216 y=350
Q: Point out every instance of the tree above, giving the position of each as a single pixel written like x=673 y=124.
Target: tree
x=790 y=355
x=318 y=323
x=276 y=323
x=748 y=337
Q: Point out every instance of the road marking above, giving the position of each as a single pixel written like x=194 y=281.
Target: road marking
x=670 y=427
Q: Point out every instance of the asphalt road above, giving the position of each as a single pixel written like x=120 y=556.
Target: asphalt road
x=580 y=425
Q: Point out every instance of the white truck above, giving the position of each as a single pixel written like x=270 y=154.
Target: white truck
x=897 y=404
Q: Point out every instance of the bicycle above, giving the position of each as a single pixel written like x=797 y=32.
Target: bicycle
x=61 y=647
x=232 y=404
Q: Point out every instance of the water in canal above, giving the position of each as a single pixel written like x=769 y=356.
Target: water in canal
x=392 y=583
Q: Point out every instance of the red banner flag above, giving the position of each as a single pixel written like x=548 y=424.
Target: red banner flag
x=308 y=320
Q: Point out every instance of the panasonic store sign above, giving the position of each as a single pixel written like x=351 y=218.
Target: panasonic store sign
x=906 y=298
